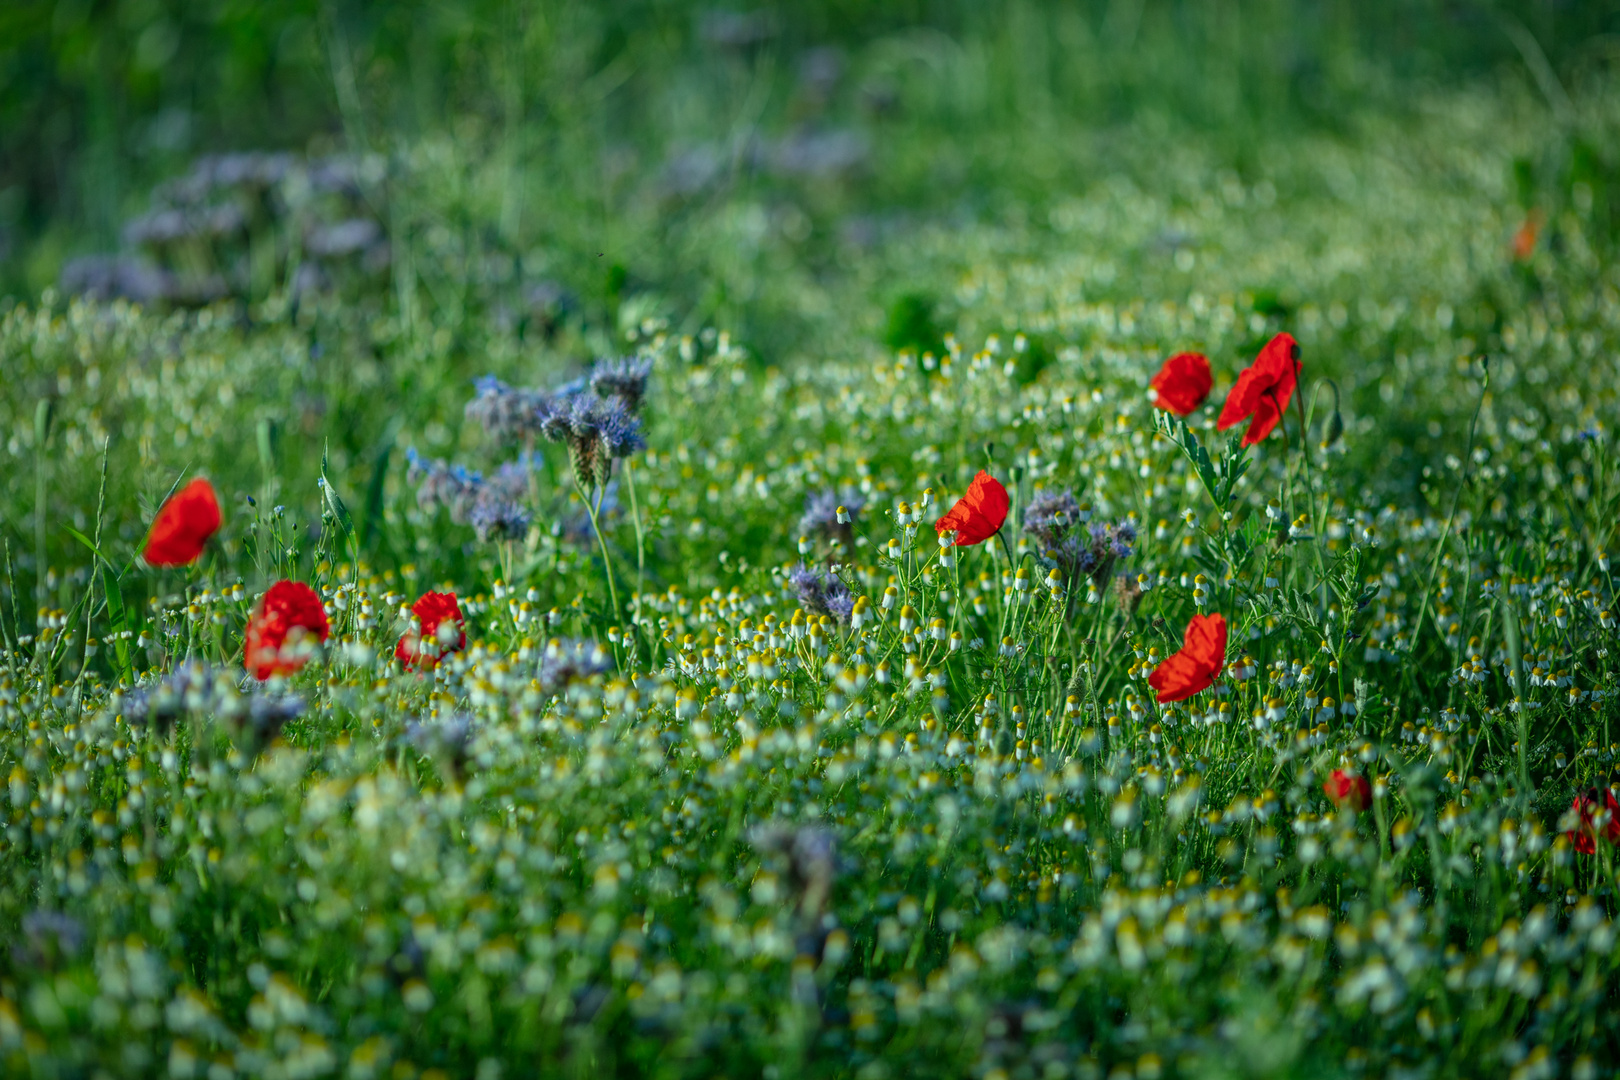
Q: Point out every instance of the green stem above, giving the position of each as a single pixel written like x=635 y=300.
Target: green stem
x=42 y=433
x=635 y=517
x=1445 y=532
x=591 y=509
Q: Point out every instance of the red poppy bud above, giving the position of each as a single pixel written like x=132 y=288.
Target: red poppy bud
x=978 y=515
x=1524 y=238
x=183 y=525
x=433 y=611
x=1347 y=789
x=289 y=614
x=1263 y=390
x=1182 y=383
x=1195 y=665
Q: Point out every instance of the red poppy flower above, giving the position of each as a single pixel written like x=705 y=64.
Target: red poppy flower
x=183 y=525
x=1587 y=809
x=1182 y=383
x=1524 y=238
x=978 y=515
x=1263 y=389
x=1195 y=665
x=289 y=619
x=1348 y=789
x=443 y=630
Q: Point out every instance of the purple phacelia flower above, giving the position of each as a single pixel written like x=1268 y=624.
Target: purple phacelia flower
x=565 y=662
x=439 y=485
x=508 y=414
x=1050 y=516
x=624 y=378
x=1115 y=540
x=596 y=430
x=820 y=518
x=494 y=517
x=821 y=592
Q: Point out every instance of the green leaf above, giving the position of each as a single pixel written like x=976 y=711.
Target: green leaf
x=379 y=474
x=117 y=621
x=334 y=502
x=87 y=542
x=117 y=614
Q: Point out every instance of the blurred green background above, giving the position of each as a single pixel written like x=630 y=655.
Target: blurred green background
x=574 y=155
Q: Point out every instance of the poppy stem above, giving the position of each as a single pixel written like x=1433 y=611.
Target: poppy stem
x=1304 y=433
x=1282 y=418
x=1002 y=536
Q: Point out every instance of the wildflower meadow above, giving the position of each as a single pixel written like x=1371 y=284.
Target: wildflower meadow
x=1159 y=626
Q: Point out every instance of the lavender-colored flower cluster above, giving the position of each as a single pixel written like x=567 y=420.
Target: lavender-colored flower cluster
x=439 y=485
x=192 y=245
x=199 y=691
x=512 y=478
x=1053 y=520
x=821 y=592
x=595 y=417
x=820 y=518
x=1072 y=555
x=565 y=662
x=596 y=430
x=624 y=378
x=1050 y=515
x=507 y=414
x=1115 y=540
x=495 y=518
x=493 y=507
x=811 y=854
x=47 y=938
x=1092 y=553
x=449 y=739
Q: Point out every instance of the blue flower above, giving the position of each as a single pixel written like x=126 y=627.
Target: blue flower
x=47 y=938
x=820 y=516
x=1050 y=520
x=1072 y=555
x=448 y=739
x=567 y=661
x=511 y=479
x=494 y=507
x=596 y=430
x=197 y=690
x=438 y=484
x=495 y=517
x=624 y=378
x=1050 y=515
x=821 y=592
x=509 y=414
x=1115 y=541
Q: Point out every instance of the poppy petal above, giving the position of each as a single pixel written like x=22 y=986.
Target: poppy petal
x=1263 y=389
x=1241 y=400
x=978 y=515
x=183 y=525
x=1195 y=666
x=1205 y=639
x=1266 y=416
x=1179 y=677
x=432 y=611
x=1182 y=384
x=288 y=610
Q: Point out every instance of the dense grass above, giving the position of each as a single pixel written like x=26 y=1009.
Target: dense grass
x=676 y=809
